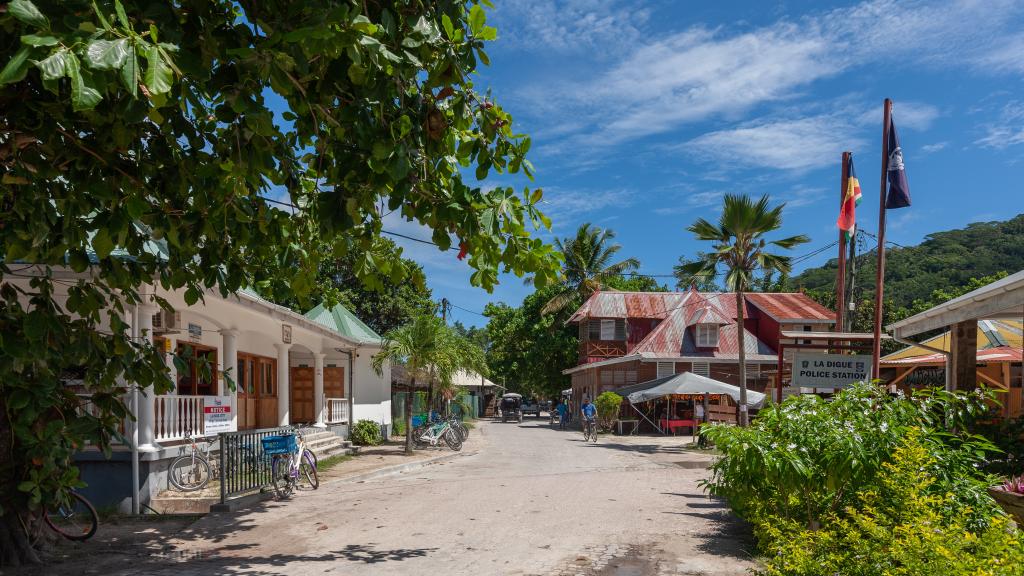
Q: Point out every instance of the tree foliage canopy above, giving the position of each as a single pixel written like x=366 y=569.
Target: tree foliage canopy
x=588 y=265
x=215 y=145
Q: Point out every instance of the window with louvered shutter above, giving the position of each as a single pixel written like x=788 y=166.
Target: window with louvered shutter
x=666 y=369
x=630 y=377
x=594 y=327
x=607 y=329
x=702 y=369
x=620 y=377
x=606 y=378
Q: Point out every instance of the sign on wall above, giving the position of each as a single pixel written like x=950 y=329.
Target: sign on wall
x=812 y=370
x=286 y=333
x=217 y=415
x=195 y=332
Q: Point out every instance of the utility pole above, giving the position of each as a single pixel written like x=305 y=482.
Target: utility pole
x=841 y=273
x=444 y=309
x=880 y=271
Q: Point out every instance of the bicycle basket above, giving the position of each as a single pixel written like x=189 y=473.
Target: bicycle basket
x=285 y=444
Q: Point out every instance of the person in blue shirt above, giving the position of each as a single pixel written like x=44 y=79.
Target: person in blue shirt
x=588 y=411
x=562 y=410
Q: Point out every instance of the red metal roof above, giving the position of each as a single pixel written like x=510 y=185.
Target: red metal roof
x=790 y=306
x=612 y=304
x=999 y=354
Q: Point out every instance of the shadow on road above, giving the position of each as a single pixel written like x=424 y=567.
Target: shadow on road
x=367 y=555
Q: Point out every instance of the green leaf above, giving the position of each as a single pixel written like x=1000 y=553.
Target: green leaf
x=363 y=24
x=477 y=18
x=122 y=17
x=16 y=68
x=27 y=12
x=357 y=74
x=83 y=96
x=488 y=33
x=35 y=40
x=103 y=19
x=483 y=56
x=130 y=72
x=106 y=54
x=449 y=30
x=54 y=67
x=102 y=243
x=158 y=73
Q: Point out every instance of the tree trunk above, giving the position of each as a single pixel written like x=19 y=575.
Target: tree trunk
x=408 y=415
x=15 y=547
x=743 y=358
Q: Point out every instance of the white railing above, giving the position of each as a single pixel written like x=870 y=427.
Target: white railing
x=178 y=415
x=337 y=410
x=87 y=407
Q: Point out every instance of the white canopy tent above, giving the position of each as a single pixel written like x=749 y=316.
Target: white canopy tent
x=690 y=383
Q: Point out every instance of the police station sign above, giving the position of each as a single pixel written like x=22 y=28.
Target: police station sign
x=829 y=370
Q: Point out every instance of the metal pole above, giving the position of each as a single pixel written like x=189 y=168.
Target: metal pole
x=135 y=424
x=880 y=272
x=778 y=380
x=841 y=276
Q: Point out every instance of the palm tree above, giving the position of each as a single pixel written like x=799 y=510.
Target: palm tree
x=739 y=246
x=429 y=349
x=587 y=266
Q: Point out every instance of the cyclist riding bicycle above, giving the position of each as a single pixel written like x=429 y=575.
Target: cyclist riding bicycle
x=589 y=413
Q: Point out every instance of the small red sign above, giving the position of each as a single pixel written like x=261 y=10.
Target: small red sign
x=217 y=409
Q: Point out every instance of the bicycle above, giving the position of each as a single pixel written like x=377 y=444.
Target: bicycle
x=432 y=434
x=75 y=519
x=291 y=463
x=590 y=430
x=456 y=423
x=192 y=471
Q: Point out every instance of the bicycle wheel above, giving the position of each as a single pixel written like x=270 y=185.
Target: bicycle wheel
x=452 y=439
x=593 y=433
x=281 y=475
x=307 y=472
x=189 y=473
x=75 y=520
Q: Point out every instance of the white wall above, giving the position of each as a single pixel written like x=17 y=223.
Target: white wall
x=371 y=393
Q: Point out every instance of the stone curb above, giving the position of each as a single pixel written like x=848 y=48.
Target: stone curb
x=404 y=467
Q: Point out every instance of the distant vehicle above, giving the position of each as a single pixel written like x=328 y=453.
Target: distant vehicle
x=534 y=407
x=511 y=407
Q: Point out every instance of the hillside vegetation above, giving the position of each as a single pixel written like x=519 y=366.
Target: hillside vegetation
x=945 y=259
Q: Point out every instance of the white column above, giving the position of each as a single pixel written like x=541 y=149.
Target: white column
x=147 y=398
x=283 y=384
x=230 y=368
x=318 y=388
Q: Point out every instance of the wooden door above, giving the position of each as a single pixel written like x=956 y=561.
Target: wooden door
x=334 y=382
x=266 y=382
x=247 y=395
x=302 y=395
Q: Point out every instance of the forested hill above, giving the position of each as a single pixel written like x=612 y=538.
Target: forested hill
x=944 y=259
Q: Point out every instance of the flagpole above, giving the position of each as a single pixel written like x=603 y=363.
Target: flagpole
x=841 y=277
x=880 y=272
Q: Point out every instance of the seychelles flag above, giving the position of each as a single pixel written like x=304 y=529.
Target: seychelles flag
x=899 y=188
x=847 y=221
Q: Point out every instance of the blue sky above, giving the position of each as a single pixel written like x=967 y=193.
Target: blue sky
x=643 y=114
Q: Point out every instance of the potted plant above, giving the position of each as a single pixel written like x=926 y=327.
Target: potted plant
x=1010 y=496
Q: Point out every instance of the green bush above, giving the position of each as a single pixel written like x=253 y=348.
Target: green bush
x=808 y=458
x=899 y=526
x=366 y=433
x=607 y=404
x=398 y=428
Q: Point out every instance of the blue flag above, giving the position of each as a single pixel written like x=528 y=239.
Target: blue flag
x=899 y=189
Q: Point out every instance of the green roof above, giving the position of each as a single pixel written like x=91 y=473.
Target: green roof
x=341 y=320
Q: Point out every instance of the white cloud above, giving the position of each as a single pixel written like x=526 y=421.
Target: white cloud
x=1008 y=130
x=804 y=196
x=797 y=145
x=932 y=148
x=570 y=25
x=700 y=73
x=690 y=200
x=1007 y=58
x=560 y=204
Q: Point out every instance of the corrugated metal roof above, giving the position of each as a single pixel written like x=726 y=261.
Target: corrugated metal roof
x=613 y=304
x=790 y=306
x=996 y=355
x=991 y=334
x=342 y=321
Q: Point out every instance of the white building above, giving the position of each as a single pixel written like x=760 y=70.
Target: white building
x=287 y=368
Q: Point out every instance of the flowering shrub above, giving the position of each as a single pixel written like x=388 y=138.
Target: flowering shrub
x=895 y=526
x=1015 y=485
x=808 y=459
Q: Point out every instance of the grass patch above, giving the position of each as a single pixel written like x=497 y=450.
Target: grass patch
x=331 y=462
